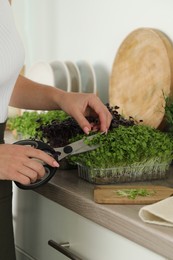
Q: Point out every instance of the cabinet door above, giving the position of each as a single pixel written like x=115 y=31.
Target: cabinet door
x=38 y=220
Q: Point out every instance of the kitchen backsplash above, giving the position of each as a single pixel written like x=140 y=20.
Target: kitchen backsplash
x=85 y=29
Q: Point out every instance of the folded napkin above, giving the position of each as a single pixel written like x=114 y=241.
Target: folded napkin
x=160 y=213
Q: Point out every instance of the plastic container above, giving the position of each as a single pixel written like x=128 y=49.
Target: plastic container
x=123 y=174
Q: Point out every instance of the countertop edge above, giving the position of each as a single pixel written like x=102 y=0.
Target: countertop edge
x=151 y=237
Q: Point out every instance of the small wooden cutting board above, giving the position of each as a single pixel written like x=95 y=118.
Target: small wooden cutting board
x=108 y=194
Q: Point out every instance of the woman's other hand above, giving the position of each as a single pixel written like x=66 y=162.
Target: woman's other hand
x=16 y=163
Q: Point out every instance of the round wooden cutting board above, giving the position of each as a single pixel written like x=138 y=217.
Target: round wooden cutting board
x=142 y=74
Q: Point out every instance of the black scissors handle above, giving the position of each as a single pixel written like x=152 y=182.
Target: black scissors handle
x=49 y=171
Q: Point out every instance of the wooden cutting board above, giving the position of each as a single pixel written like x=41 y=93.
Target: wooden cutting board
x=107 y=194
x=142 y=71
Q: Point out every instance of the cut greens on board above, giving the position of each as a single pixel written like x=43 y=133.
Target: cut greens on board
x=133 y=193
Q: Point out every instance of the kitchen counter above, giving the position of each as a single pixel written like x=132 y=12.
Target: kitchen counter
x=68 y=190
x=76 y=194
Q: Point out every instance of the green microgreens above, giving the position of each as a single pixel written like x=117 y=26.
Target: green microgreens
x=28 y=123
x=169 y=113
x=133 y=193
x=123 y=146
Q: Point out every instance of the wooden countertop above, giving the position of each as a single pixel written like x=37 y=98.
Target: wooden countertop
x=70 y=191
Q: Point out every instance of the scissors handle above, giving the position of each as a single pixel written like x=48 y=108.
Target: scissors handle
x=49 y=171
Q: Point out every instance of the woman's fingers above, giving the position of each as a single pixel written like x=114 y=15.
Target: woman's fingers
x=33 y=164
x=32 y=170
x=93 y=106
x=23 y=164
x=80 y=105
x=31 y=152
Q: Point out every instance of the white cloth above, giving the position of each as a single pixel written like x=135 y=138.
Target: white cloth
x=160 y=213
x=11 y=56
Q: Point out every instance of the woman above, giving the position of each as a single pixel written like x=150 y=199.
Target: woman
x=18 y=91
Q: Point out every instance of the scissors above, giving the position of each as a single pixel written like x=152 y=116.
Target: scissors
x=60 y=153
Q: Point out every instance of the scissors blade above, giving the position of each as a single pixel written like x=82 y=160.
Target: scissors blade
x=75 y=148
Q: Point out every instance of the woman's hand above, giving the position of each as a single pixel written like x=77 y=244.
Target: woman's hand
x=16 y=163
x=80 y=105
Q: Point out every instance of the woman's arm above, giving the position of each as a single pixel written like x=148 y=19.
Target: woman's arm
x=31 y=95
x=28 y=94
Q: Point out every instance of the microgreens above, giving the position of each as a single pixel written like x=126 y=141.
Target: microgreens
x=124 y=146
x=169 y=113
x=28 y=123
x=133 y=193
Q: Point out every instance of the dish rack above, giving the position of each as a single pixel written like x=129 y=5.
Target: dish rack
x=123 y=174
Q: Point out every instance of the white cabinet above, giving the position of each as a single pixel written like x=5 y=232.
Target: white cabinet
x=37 y=220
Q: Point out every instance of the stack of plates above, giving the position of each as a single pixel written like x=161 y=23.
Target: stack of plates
x=54 y=74
x=80 y=76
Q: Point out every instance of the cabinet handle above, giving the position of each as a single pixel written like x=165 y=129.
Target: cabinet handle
x=63 y=248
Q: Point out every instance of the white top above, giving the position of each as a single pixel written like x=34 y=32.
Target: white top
x=11 y=57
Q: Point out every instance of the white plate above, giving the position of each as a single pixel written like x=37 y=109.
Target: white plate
x=54 y=74
x=61 y=75
x=102 y=80
x=75 y=76
x=41 y=72
x=88 y=78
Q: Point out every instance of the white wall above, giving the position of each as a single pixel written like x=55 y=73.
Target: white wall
x=86 y=29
